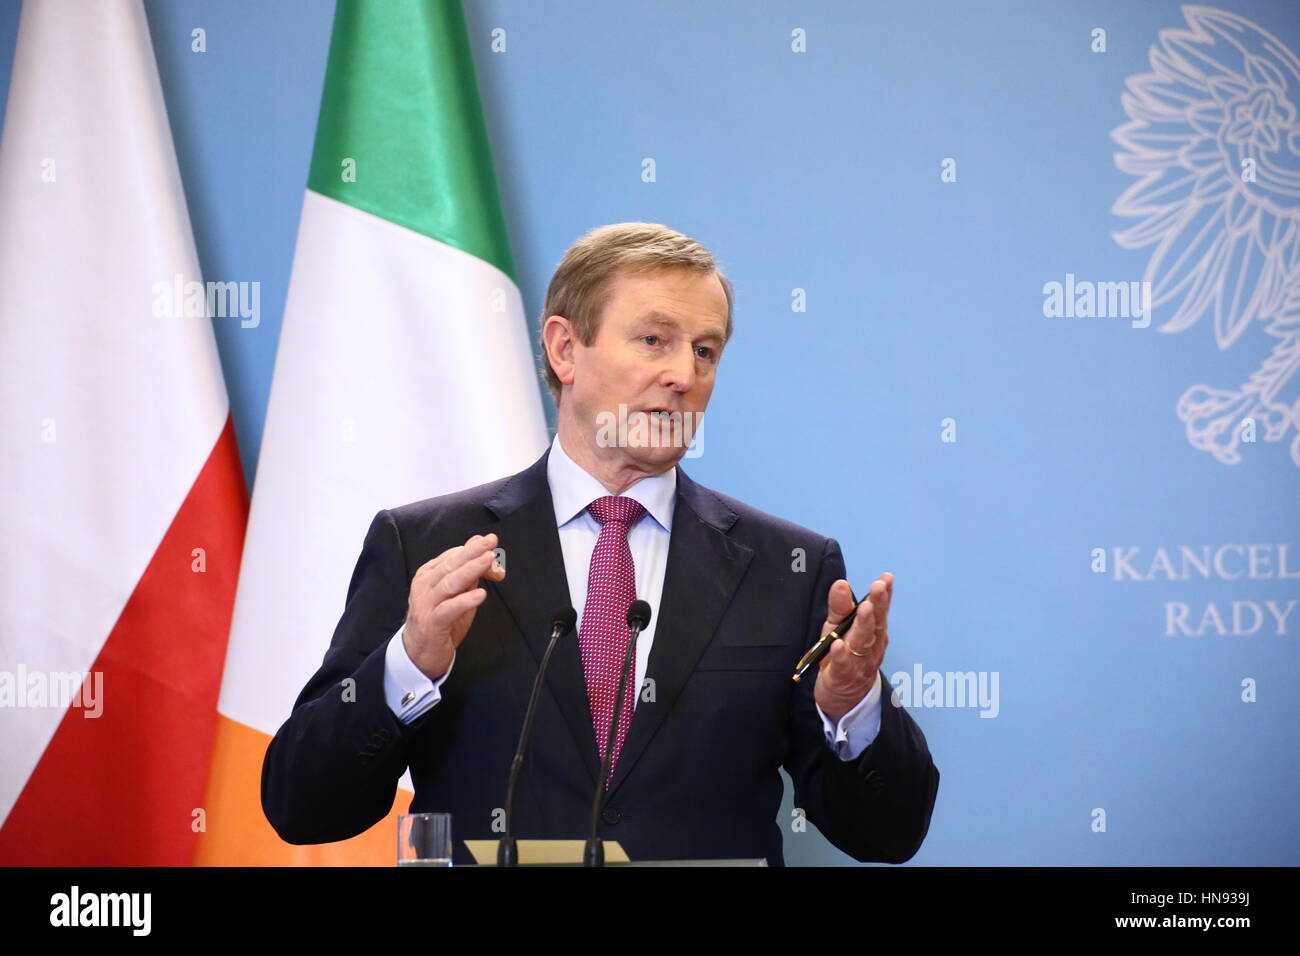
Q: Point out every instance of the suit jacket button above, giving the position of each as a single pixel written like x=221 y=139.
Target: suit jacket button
x=611 y=815
x=875 y=781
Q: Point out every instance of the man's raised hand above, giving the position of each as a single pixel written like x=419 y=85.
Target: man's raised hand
x=848 y=672
x=444 y=598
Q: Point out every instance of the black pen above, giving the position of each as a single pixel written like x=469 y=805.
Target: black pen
x=823 y=646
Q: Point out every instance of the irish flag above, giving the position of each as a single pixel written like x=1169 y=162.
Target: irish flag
x=404 y=371
x=124 y=506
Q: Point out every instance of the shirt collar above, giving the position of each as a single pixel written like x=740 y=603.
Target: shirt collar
x=573 y=489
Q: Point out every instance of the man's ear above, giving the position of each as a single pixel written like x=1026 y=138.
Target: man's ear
x=557 y=340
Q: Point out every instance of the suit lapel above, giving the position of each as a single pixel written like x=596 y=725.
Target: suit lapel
x=535 y=587
x=704 y=569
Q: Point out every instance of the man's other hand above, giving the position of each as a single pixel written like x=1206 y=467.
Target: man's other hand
x=848 y=672
x=444 y=599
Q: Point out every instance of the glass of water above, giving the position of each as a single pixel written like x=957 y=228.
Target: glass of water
x=424 y=839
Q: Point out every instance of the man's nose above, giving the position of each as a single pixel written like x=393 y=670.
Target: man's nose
x=679 y=374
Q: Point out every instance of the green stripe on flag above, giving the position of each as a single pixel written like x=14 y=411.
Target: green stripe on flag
x=402 y=104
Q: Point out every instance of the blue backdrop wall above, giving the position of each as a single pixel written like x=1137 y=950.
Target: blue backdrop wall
x=1094 y=516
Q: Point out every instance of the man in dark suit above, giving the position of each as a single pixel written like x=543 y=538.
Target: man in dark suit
x=430 y=670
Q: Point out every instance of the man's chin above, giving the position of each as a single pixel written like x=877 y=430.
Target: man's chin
x=658 y=459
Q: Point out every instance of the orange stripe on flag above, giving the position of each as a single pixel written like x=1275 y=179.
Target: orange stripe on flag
x=238 y=833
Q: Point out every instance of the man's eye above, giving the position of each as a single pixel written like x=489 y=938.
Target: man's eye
x=648 y=337
x=705 y=348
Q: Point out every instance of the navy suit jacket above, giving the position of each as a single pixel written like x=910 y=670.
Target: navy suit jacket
x=698 y=775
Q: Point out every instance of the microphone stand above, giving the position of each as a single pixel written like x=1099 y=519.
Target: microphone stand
x=593 y=854
x=508 y=848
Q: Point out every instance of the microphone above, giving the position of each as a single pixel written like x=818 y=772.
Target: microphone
x=562 y=623
x=638 y=616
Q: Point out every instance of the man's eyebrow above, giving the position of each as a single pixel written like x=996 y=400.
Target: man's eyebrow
x=661 y=318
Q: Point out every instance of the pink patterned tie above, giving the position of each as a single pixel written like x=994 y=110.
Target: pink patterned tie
x=604 y=635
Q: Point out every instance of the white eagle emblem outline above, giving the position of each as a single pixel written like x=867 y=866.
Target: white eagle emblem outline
x=1221 y=92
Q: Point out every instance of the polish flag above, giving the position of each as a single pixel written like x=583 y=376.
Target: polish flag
x=124 y=509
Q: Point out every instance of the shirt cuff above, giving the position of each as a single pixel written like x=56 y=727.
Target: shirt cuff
x=858 y=728
x=407 y=689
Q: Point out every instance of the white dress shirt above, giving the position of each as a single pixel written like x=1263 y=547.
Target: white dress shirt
x=410 y=693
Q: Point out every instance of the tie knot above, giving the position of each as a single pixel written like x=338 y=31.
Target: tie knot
x=620 y=510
